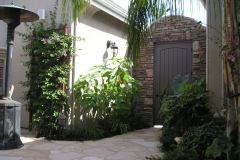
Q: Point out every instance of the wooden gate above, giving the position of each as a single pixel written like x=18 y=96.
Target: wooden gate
x=170 y=59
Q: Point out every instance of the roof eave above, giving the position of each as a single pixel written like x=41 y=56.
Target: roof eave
x=110 y=8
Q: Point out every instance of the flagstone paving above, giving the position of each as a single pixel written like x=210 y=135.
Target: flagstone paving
x=134 y=145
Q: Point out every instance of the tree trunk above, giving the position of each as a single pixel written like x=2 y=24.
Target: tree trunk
x=231 y=74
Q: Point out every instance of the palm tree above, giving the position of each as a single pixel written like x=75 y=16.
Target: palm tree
x=76 y=8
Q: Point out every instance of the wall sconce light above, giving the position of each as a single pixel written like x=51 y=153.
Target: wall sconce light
x=114 y=48
x=42 y=15
x=62 y=120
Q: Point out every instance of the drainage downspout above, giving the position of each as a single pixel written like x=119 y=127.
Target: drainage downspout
x=73 y=77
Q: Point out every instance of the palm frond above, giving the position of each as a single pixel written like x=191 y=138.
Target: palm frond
x=141 y=14
x=141 y=17
x=76 y=8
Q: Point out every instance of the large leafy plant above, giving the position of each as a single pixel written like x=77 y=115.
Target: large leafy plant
x=179 y=82
x=108 y=90
x=48 y=52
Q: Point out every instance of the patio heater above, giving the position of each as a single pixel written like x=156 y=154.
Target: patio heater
x=10 y=110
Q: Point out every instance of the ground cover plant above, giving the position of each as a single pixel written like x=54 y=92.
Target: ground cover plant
x=201 y=137
x=176 y=154
x=115 y=126
x=80 y=134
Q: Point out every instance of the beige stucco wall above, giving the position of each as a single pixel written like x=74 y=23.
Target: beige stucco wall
x=3 y=47
x=3 y=35
x=96 y=27
x=214 y=75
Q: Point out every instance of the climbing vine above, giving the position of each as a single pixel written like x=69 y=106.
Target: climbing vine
x=49 y=52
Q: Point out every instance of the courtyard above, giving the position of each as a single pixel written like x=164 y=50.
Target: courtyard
x=134 y=145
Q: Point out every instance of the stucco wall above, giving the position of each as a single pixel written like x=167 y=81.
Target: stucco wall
x=214 y=75
x=175 y=29
x=3 y=35
x=96 y=27
x=3 y=49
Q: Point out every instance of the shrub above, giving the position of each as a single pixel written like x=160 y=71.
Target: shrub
x=114 y=126
x=183 y=110
x=81 y=134
x=137 y=121
x=221 y=146
x=176 y=154
x=199 y=138
x=168 y=135
x=188 y=107
x=121 y=124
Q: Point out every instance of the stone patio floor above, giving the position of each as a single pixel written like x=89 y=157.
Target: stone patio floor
x=134 y=145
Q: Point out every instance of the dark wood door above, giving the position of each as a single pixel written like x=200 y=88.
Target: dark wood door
x=170 y=59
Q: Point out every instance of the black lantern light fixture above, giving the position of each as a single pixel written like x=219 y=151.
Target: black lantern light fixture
x=62 y=120
x=114 y=48
x=10 y=110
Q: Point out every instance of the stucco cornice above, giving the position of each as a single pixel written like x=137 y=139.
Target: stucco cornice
x=110 y=8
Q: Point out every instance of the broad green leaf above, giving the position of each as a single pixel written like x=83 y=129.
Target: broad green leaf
x=219 y=146
x=179 y=82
